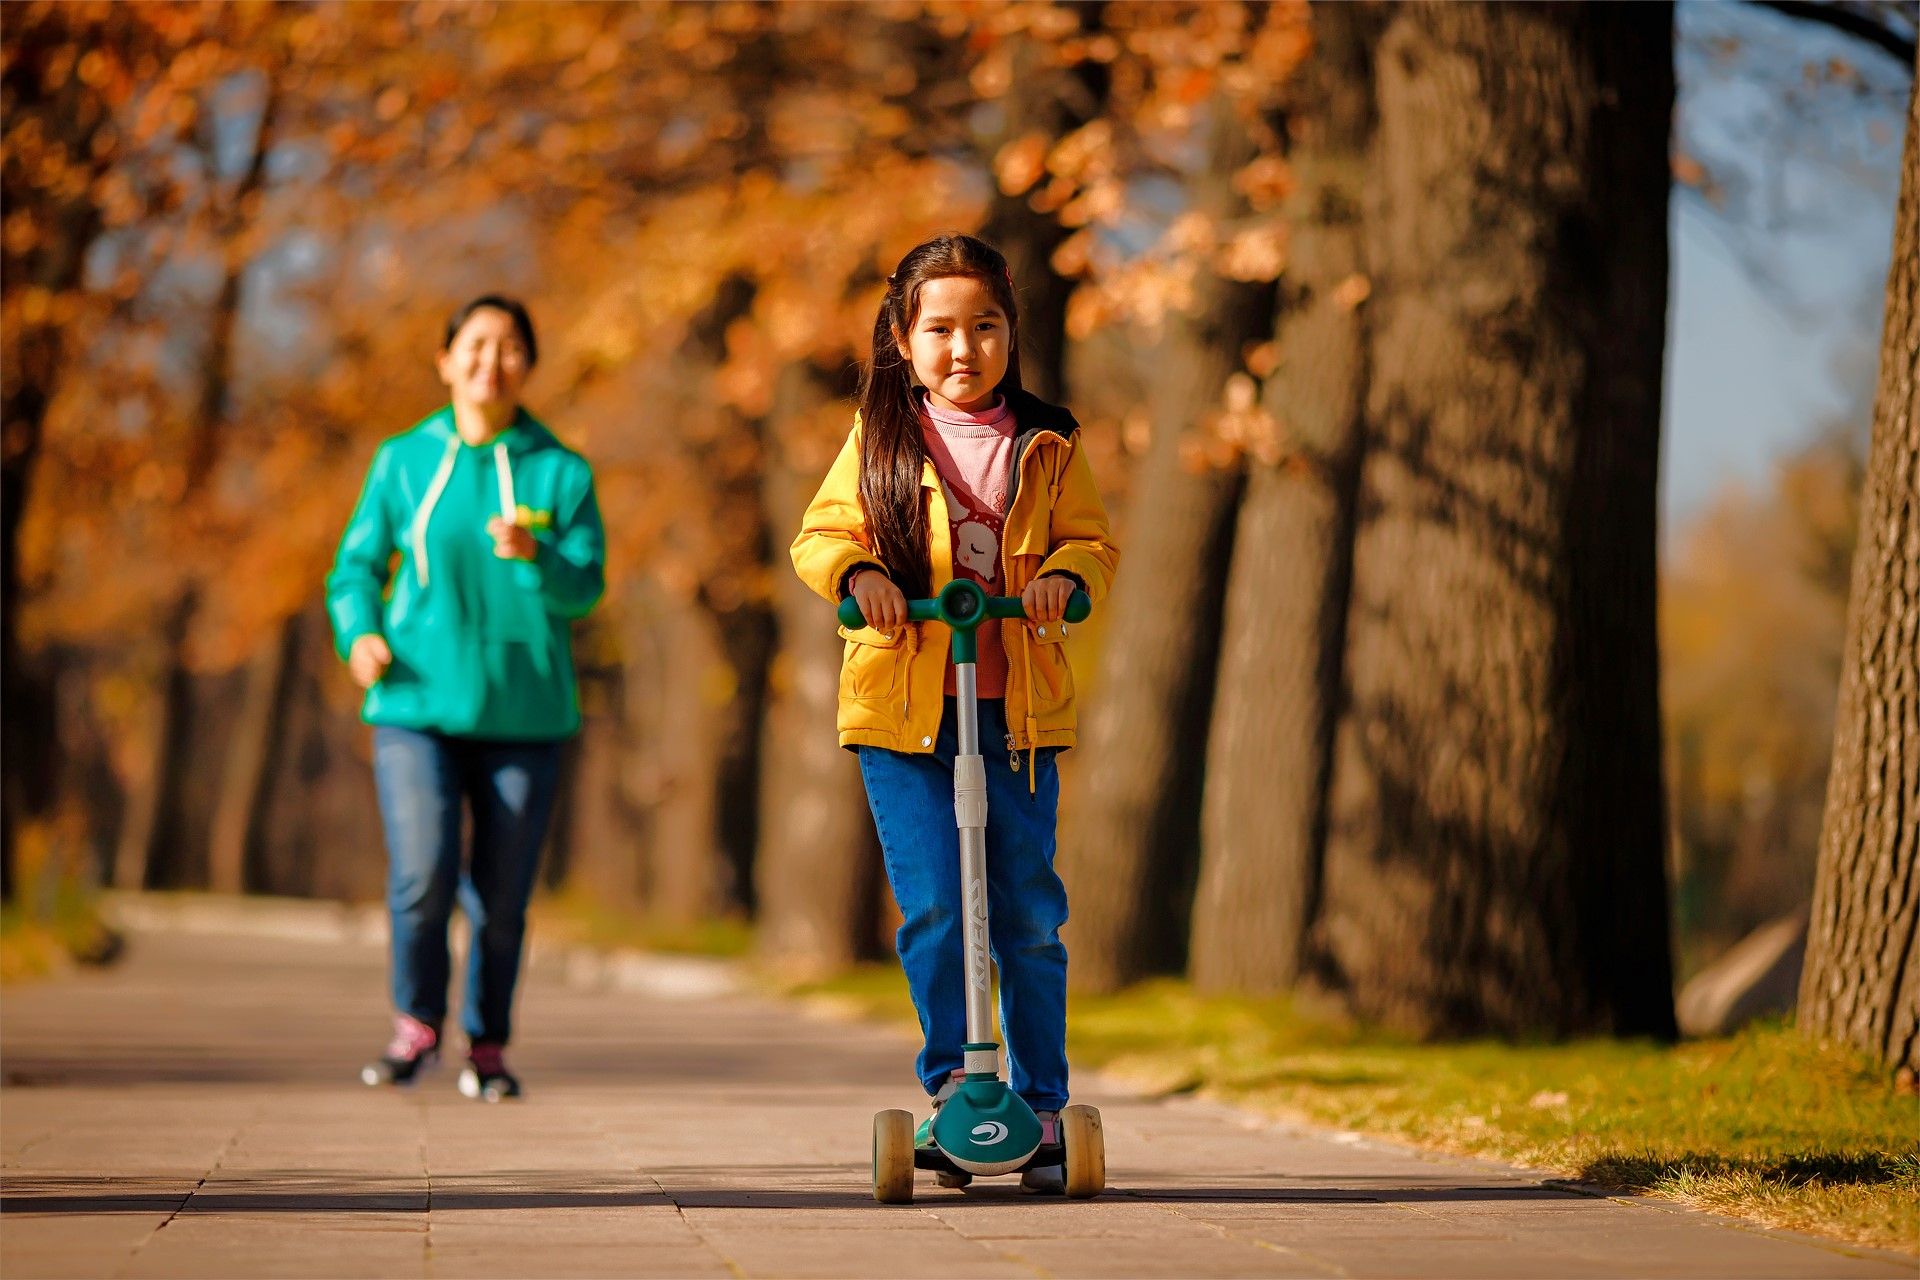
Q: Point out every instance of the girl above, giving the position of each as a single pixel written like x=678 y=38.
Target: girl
x=952 y=469
x=468 y=669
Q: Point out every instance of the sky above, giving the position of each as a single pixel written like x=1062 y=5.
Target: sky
x=1778 y=273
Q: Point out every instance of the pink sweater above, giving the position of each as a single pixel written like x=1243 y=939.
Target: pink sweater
x=973 y=453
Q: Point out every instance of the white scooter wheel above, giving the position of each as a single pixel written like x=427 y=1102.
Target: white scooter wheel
x=1086 y=1151
x=893 y=1157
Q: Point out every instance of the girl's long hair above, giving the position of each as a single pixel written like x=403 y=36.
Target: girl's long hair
x=891 y=452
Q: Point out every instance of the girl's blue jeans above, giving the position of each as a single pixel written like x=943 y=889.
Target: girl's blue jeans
x=912 y=801
x=427 y=782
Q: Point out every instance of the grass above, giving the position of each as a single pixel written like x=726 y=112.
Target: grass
x=579 y=919
x=1765 y=1124
x=49 y=932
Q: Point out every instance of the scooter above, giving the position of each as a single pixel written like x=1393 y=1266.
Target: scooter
x=983 y=1128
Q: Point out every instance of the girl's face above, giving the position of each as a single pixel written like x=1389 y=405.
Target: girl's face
x=960 y=342
x=486 y=364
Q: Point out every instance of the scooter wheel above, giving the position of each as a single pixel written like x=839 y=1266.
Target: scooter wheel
x=893 y=1157
x=1085 y=1151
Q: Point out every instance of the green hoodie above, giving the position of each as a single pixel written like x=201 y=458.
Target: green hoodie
x=481 y=645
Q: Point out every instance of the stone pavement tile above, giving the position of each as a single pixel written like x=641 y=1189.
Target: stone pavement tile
x=979 y=1217
x=1143 y=1259
x=75 y=1261
x=1425 y=1258
x=867 y=1217
x=638 y=1262
x=653 y=1225
x=860 y=1254
x=233 y=1191
x=279 y=1245
x=124 y=1231
x=1688 y=1245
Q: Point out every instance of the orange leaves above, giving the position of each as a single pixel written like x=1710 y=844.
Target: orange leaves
x=1021 y=163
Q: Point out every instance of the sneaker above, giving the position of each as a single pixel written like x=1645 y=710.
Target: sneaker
x=923 y=1136
x=415 y=1047
x=1047 y=1175
x=486 y=1076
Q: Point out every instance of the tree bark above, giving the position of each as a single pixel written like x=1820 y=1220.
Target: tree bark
x=257 y=730
x=1051 y=102
x=1861 y=983
x=49 y=264
x=1130 y=854
x=1494 y=860
x=1284 y=630
x=819 y=861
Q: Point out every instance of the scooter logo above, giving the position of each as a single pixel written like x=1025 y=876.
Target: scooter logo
x=990 y=1132
x=978 y=972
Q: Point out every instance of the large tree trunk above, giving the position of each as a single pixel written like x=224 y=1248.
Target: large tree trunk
x=1862 y=978
x=40 y=265
x=1047 y=103
x=818 y=868
x=257 y=731
x=1494 y=854
x=1284 y=630
x=1129 y=855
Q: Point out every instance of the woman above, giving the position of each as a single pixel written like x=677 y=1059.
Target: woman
x=462 y=644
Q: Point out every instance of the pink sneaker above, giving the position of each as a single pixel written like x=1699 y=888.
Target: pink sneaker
x=415 y=1047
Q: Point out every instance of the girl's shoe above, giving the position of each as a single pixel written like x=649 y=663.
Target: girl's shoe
x=415 y=1047
x=1047 y=1174
x=486 y=1077
x=924 y=1137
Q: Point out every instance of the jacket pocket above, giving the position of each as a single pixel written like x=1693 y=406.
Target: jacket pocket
x=870 y=669
x=1052 y=673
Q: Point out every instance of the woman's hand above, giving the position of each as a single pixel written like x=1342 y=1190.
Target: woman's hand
x=1045 y=598
x=511 y=541
x=881 y=603
x=369 y=659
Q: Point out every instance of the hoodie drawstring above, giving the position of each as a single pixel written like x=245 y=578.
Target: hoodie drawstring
x=509 y=509
x=421 y=517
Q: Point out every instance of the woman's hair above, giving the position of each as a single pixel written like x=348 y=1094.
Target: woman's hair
x=892 y=455
x=522 y=322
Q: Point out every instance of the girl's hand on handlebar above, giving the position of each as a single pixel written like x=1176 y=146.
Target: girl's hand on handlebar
x=1045 y=598
x=882 y=604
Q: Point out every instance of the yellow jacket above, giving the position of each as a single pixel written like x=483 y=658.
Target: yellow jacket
x=892 y=685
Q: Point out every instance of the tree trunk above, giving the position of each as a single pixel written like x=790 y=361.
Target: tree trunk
x=1284 y=631
x=1050 y=102
x=818 y=865
x=46 y=266
x=257 y=730
x=1494 y=860
x=1129 y=855
x=599 y=843
x=134 y=856
x=1862 y=978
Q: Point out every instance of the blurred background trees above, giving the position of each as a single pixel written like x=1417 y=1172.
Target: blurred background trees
x=1365 y=327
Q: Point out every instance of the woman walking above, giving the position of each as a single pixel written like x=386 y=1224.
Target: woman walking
x=475 y=543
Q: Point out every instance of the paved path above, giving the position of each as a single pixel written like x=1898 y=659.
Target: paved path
x=194 y=1112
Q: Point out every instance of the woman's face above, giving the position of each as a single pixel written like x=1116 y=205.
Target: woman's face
x=486 y=364
x=960 y=342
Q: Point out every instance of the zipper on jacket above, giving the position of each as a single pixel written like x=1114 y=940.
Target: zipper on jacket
x=906 y=697
x=1013 y=754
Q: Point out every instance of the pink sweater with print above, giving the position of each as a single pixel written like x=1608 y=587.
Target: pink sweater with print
x=973 y=453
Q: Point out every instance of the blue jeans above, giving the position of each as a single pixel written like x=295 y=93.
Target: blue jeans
x=912 y=801
x=426 y=781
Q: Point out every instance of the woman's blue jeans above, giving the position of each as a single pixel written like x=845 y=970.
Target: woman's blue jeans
x=427 y=783
x=912 y=801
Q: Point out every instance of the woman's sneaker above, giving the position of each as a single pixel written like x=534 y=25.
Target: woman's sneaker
x=415 y=1047
x=1047 y=1175
x=486 y=1076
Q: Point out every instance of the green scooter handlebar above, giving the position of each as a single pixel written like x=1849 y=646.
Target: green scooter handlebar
x=963 y=606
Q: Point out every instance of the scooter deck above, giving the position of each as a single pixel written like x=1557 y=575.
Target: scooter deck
x=934 y=1159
